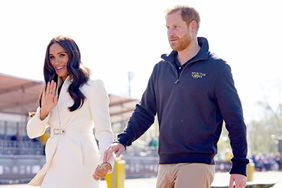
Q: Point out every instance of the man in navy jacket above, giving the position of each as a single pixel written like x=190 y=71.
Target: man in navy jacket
x=192 y=92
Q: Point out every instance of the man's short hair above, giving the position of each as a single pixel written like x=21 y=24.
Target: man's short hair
x=188 y=14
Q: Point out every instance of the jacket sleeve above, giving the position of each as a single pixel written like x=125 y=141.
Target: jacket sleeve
x=35 y=126
x=143 y=116
x=230 y=108
x=99 y=107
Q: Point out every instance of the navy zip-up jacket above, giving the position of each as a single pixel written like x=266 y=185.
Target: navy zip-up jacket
x=191 y=107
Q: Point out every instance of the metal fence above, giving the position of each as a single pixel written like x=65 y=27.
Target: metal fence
x=8 y=147
x=141 y=167
x=19 y=169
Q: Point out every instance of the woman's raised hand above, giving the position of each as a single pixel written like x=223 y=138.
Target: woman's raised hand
x=49 y=99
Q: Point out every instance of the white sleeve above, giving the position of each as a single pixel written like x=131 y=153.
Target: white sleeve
x=35 y=126
x=99 y=106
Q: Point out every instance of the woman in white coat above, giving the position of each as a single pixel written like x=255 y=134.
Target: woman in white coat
x=72 y=106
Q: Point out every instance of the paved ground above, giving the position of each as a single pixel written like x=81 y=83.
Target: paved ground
x=220 y=178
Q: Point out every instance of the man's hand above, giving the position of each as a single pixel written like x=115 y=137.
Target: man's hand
x=102 y=170
x=237 y=181
x=116 y=148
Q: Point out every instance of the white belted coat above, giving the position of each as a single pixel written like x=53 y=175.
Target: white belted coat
x=72 y=153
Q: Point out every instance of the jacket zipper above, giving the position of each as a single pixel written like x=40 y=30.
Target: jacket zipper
x=175 y=71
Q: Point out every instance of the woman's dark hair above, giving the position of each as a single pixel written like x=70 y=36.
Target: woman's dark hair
x=78 y=74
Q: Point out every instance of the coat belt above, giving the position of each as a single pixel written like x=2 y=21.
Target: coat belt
x=61 y=132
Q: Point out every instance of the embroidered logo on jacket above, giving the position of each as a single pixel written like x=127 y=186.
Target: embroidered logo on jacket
x=198 y=75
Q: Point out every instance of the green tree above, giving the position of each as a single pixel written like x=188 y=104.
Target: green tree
x=263 y=133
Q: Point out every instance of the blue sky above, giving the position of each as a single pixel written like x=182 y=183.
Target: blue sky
x=116 y=37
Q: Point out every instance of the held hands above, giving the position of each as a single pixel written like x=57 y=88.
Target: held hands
x=48 y=100
x=105 y=168
x=237 y=181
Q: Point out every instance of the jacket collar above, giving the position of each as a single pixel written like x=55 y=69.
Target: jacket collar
x=203 y=54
